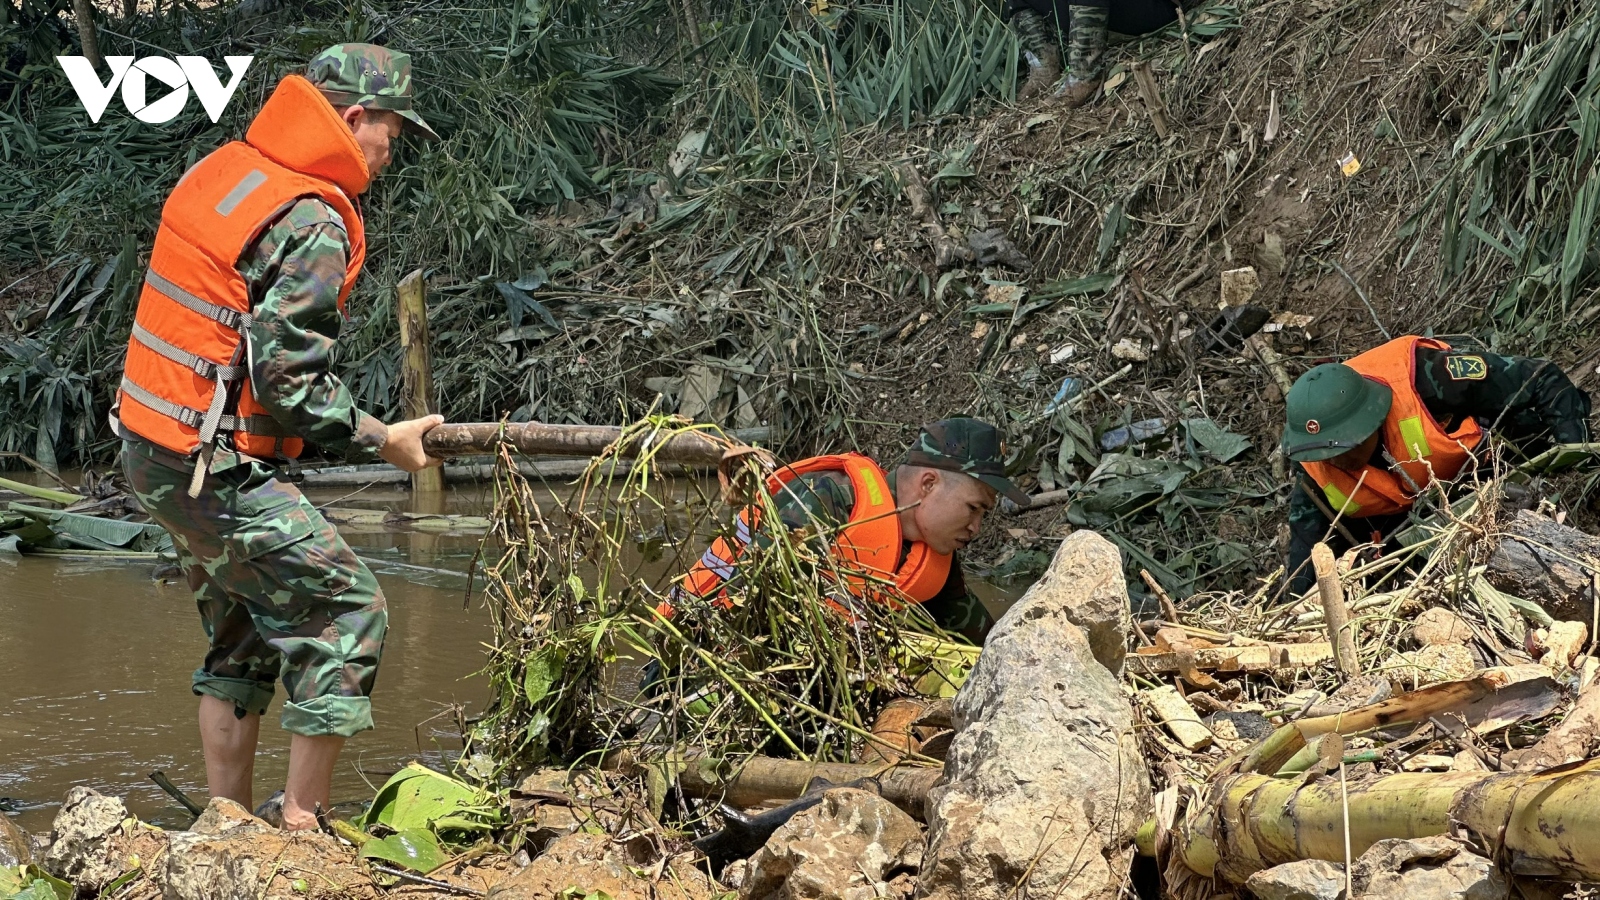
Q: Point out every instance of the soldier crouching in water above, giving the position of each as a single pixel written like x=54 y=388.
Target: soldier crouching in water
x=228 y=374
x=908 y=524
x=1087 y=26
x=1368 y=436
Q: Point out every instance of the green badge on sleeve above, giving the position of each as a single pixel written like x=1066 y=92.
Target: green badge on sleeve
x=1466 y=368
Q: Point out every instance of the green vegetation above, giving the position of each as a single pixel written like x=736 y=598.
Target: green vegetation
x=539 y=103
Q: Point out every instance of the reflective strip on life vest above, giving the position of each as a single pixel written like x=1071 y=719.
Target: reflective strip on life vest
x=247 y=185
x=230 y=318
x=1341 y=503
x=720 y=567
x=1416 y=438
x=265 y=426
x=205 y=368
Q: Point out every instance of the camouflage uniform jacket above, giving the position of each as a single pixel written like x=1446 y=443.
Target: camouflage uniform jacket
x=294 y=271
x=1530 y=403
x=828 y=497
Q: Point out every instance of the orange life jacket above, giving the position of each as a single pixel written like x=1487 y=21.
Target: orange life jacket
x=1423 y=449
x=869 y=542
x=188 y=350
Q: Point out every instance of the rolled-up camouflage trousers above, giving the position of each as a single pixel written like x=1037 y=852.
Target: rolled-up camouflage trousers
x=280 y=593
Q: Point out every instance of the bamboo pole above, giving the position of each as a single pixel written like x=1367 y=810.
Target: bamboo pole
x=1544 y=821
x=38 y=493
x=1150 y=93
x=752 y=781
x=416 y=367
x=1341 y=634
x=542 y=439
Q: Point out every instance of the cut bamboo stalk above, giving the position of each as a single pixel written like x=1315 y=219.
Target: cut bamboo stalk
x=1485 y=702
x=64 y=498
x=1335 y=614
x=1263 y=351
x=1150 y=93
x=1543 y=821
x=1171 y=710
x=416 y=367
x=752 y=781
x=1249 y=658
x=542 y=439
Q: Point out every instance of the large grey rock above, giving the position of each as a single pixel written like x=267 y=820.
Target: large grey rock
x=1045 y=779
x=1434 y=868
x=16 y=849
x=80 y=839
x=1086 y=583
x=845 y=848
x=1307 y=879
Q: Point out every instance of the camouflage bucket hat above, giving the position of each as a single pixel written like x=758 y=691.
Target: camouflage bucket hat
x=369 y=76
x=965 y=445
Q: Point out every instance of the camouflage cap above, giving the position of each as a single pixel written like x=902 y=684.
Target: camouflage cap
x=965 y=445
x=369 y=76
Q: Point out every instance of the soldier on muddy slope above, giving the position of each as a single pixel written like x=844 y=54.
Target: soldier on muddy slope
x=906 y=524
x=1368 y=436
x=228 y=375
x=1087 y=24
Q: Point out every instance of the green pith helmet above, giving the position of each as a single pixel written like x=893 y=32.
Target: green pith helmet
x=1331 y=409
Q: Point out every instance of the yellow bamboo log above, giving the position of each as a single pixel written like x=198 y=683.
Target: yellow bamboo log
x=1545 y=821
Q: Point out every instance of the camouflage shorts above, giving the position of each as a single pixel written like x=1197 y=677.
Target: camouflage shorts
x=281 y=595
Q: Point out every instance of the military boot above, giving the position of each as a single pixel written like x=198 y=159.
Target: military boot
x=1086 y=54
x=1042 y=51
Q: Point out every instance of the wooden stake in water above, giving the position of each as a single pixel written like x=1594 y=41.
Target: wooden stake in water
x=416 y=367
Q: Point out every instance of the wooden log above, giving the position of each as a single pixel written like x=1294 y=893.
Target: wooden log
x=756 y=780
x=1336 y=616
x=1251 y=658
x=542 y=439
x=1170 y=709
x=416 y=366
x=1547 y=563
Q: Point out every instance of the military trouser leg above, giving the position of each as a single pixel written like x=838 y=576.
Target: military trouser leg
x=280 y=594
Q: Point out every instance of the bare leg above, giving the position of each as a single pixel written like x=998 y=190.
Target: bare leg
x=229 y=743
x=311 y=761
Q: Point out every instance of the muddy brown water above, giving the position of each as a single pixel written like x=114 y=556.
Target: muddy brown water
x=95 y=660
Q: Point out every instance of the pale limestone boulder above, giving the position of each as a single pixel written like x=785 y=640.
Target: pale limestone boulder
x=1046 y=783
